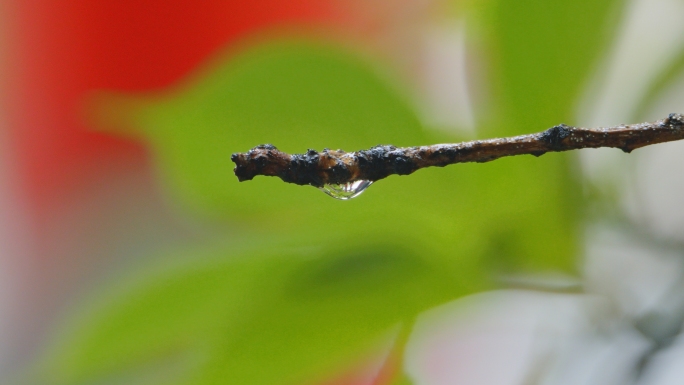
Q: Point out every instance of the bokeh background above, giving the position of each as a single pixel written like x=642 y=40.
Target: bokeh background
x=130 y=254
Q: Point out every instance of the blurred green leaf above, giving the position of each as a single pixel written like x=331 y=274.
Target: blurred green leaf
x=402 y=380
x=300 y=95
x=663 y=81
x=274 y=316
x=253 y=318
x=544 y=52
x=541 y=55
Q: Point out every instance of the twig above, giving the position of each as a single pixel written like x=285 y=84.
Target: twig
x=339 y=167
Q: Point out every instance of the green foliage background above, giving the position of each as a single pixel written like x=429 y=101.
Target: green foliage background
x=303 y=284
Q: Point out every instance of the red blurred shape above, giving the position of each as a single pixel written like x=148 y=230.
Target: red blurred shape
x=61 y=50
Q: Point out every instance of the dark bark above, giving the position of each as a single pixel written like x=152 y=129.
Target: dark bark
x=339 y=167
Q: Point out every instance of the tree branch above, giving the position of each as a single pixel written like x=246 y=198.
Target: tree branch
x=339 y=167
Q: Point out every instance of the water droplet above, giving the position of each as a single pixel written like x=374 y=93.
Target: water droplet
x=346 y=191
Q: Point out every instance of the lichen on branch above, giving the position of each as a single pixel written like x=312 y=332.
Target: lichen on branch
x=339 y=167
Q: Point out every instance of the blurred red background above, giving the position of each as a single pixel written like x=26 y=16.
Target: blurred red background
x=60 y=51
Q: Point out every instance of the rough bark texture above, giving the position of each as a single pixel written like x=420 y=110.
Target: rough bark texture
x=339 y=167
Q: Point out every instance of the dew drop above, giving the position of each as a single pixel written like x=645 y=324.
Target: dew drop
x=346 y=191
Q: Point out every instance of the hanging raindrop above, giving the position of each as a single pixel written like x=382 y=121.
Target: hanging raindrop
x=346 y=191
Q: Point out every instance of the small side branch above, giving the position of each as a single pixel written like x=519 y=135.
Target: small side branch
x=339 y=167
